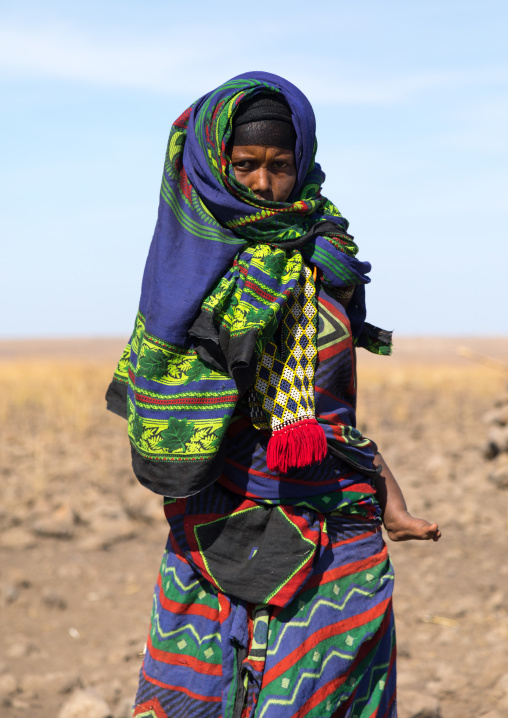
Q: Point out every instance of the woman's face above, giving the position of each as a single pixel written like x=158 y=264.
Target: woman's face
x=268 y=171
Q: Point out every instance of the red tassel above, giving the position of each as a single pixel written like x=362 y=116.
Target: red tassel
x=297 y=445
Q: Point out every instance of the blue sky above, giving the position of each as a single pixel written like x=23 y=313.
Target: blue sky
x=412 y=112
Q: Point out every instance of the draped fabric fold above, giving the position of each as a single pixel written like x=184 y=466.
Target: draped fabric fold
x=222 y=266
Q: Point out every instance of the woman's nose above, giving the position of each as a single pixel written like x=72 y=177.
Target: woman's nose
x=261 y=184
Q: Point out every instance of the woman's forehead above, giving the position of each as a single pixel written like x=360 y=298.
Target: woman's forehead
x=259 y=149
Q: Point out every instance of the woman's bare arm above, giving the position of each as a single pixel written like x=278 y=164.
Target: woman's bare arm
x=399 y=523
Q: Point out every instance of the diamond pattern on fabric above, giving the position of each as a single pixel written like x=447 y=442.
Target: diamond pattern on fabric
x=283 y=391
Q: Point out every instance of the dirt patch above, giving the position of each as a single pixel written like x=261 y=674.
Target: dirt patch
x=80 y=540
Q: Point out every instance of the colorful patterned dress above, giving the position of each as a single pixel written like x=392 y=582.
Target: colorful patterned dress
x=321 y=642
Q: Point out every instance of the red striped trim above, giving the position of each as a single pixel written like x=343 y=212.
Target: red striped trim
x=250 y=219
x=276 y=477
x=183 y=120
x=224 y=607
x=335 y=349
x=331 y=308
x=181 y=689
x=230 y=398
x=260 y=292
x=332 y=415
x=322 y=693
x=176 y=607
x=345 y=343
x=153 y=705
x=360 y=488
x=179 y=659
x=257 y=665
x=224 y=481
x=321 y=635
x=185 y=185
x=241 y=269
x=263 y=474
x=320 y=390
x=360 y=537
x=347 y=569
x=173 y=348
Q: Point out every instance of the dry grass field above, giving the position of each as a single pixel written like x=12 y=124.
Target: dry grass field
x=80 y=541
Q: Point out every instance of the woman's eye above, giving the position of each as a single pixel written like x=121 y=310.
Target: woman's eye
x=242 y=165
x=280 y=165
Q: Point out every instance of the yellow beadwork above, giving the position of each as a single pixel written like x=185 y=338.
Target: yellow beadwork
x=284 y=387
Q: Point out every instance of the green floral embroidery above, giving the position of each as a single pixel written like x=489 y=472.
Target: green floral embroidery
x=176 y=435
x=152 y=363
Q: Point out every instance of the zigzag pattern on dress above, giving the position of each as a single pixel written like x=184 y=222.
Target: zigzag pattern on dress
x=329 y=653
x=161 y=702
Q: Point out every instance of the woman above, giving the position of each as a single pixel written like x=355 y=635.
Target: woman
x=274 y=594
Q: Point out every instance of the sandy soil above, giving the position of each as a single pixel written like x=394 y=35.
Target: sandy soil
x=80 y=541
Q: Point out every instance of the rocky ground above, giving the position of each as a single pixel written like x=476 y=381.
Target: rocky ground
x=80 y=541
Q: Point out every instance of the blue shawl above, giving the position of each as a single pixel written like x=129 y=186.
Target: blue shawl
x=219 y=272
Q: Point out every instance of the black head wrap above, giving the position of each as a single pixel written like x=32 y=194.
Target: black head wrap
x=264 y=120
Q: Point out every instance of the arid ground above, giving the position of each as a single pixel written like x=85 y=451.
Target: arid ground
x=80 y=541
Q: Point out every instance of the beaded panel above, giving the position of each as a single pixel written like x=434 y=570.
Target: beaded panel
x=284 y=388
